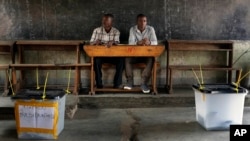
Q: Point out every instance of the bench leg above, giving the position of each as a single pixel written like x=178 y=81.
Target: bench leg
x=77 y=78
x=237 y=75
x=21 y=78
x=6 y=83
x=229 y=75
x=77 y=71
x=14 y=81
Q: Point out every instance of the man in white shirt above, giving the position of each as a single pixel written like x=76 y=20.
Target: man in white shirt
x=107 y=35
x=141 y=34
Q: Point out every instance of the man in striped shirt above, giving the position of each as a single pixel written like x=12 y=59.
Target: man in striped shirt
x=107 y=35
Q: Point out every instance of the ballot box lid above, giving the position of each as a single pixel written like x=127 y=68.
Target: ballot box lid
x=220 y=89
x=27 y=94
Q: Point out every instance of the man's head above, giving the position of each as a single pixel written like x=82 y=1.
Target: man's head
x=141 y=21
x=107 y=20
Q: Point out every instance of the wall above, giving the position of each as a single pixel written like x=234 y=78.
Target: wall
x=172 y=19
x=76 y=19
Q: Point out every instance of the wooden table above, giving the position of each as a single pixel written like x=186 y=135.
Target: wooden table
x=200 y=45
x=7 y=49
x=122 y=51
x=49 y=45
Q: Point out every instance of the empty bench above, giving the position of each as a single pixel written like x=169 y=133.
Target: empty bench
x=6 y=49
x=49 y=45
x=225 y=47
x=172 y=69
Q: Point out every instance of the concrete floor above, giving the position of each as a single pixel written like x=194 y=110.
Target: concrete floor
x=151 y=124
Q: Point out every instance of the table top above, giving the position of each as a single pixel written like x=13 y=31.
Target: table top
x=124 y=51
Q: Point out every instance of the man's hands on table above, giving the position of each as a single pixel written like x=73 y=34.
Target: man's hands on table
x=108 y=44
x=144 y=42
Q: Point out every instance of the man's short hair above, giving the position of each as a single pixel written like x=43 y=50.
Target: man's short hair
x=140 y=16
x=108 y=15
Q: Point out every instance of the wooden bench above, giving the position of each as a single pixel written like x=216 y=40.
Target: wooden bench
x=50 y=67
x=7 y=49
x=196 y=68
x=49 y=45
x=200 y=45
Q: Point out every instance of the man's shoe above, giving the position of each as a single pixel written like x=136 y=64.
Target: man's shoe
x=128 y=87
x=118 y=87
x=99 y=86
x=145 y=89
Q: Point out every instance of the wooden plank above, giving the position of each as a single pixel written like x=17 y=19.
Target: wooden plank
x=197 y=66
x=4 y=67
x=201 y=41
x=124 y=51
x=49 y=47
x=215 y=69
x=6 y=47
x=6 y=43
x=48 y=66
x=50 y=42
x=200 y=47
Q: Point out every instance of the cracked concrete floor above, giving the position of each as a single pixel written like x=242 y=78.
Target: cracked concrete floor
x=149 y=124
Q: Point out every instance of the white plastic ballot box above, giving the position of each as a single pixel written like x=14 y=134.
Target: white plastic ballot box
x=38 y=118
x=219 y=105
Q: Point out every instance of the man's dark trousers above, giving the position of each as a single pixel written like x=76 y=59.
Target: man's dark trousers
x=117 y=61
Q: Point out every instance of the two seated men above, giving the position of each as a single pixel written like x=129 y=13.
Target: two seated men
x=140 y=34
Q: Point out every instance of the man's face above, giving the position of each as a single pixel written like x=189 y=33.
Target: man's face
x=142 y=22
x=107 y=21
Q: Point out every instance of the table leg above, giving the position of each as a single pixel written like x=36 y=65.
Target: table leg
x=92 y=77
x=170 y=82
x=167 y=72
x=154 y=77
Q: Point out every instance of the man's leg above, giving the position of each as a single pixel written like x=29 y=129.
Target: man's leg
x=146 y=73
x=129 y=69
x=98 y=71
x=119 y=62
x=129 y=72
